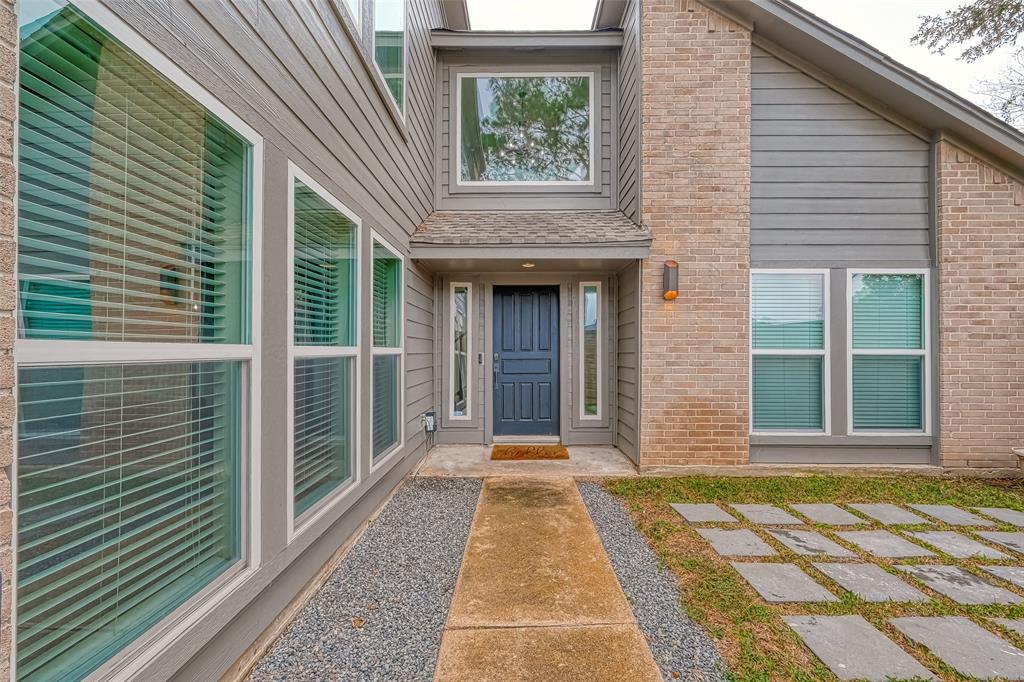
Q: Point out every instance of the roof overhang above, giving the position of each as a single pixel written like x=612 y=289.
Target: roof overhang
x=870 y=71
x=608 y=14
x=540 y=258
x=456 y=14
x=444 y=39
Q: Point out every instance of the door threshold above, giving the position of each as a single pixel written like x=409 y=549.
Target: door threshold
x=527 y=440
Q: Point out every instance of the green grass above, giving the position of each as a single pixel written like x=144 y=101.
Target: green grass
x=755 y=642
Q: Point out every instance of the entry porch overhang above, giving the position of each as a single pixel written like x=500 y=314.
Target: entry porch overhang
x=551 y=240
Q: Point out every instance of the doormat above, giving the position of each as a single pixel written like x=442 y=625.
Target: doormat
x=519 y=453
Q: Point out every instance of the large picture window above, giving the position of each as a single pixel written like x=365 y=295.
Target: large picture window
x=525 y=128
x=461 y=341
x=789 y=341
x=388 y=300
x=590 y=350
x=888 y=351
x=135 y=206
x=389 y=46
x=325 y=280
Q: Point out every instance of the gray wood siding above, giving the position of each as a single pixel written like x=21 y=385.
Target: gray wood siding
x=294 y=73
x=629 y=112
x=833 y=183
x=628 y=361
x=602 y=195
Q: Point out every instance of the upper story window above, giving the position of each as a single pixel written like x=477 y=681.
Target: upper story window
x=526 y=128
x=389 y=46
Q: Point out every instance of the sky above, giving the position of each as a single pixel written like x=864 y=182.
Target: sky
x=886 y=24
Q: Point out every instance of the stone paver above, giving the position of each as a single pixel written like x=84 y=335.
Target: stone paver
x=957 y=545
x=853 y=649
x=969 y=648
x=882 y=543
x=767 y=515
x=704 y=513
x=872 y=583
x=954 y=516
x=1014 y=541
x=829 y=514
x=809 y=543
x=1012 y=574
x=1011 y=516
x=1014 y=624
x=889 y=514
x=778 y=583
x=960 y=585
x=736 y=542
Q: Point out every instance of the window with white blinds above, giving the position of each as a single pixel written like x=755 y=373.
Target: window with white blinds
x=325 y=282
x=388 y=304
x=132 y=198
x=889 y=351
x=590 y=350
x=128 y=503
x=135 y=207
x=789 y=333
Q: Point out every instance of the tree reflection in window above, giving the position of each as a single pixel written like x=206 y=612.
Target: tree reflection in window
x=526 y=129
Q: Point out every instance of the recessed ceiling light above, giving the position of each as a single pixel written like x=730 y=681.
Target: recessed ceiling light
x=529 y=265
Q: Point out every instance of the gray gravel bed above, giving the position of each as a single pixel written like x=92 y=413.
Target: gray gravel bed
x=681 y=648
x=398 y=580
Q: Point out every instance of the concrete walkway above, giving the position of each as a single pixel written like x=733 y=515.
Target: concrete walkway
x=537 y=598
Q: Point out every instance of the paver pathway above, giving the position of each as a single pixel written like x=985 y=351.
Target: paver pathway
x=537 y=598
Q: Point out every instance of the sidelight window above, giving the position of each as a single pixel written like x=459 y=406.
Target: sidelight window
x=461 y=341
x=590 y=350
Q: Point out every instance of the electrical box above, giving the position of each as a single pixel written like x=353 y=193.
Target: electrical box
x=430 y=422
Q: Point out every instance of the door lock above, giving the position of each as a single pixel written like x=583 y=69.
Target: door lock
x=494 y=364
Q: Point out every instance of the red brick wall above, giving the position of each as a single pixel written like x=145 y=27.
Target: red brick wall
x=695 y=169
x=981 y=314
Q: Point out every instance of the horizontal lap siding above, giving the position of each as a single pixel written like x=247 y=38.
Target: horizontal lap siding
x=627 y=360
x=451 y=196
x=629 y=113
x=832 y=182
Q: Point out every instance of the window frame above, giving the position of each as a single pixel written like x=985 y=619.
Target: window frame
x=355 y=16
x=825 y=352
x=925 y=353
x=399 y=109
x=460 y=75
x=468 y=416
x=399 y=351
x=163 y=636
x=599 y=415
x=301 y=523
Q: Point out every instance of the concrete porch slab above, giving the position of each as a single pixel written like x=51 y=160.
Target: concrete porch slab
x=474 y=461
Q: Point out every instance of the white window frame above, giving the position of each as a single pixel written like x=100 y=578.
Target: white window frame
x=399 y=351
x=355 y=14
x=298 y=525
x=468 y=286
x=165 y=635
x=461 y=75
x=825 y=353
x=924 y=353
x=600 y=350
x=400 y=109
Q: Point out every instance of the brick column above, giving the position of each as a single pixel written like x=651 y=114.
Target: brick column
x=981 y=312
x=695 y=168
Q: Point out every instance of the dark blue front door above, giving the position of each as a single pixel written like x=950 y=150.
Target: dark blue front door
x=525 y=361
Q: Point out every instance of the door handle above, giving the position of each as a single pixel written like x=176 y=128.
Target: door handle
x=494 y=364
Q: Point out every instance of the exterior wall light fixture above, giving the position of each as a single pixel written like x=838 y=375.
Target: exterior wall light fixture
x=671 y=280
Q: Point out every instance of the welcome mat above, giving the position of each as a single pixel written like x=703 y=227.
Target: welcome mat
x=519 y=453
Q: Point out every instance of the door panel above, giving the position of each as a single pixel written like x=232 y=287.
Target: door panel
x=526 y=361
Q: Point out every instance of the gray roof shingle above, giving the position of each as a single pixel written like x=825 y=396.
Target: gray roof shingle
x=473 y=228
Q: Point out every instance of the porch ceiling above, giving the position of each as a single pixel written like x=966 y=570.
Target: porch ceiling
x=568 y=238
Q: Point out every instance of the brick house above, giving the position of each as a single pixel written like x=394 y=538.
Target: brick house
x=248 y=246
